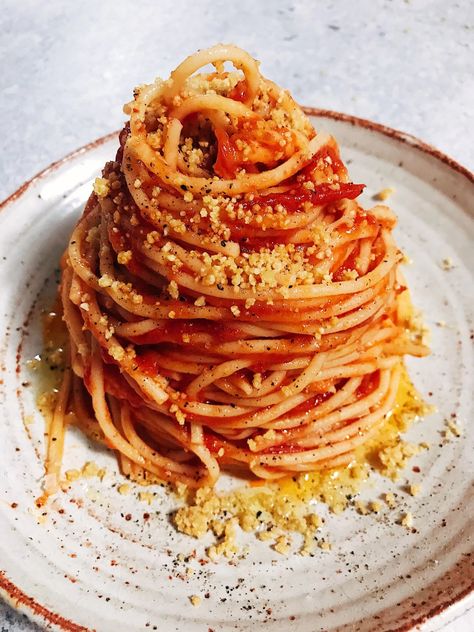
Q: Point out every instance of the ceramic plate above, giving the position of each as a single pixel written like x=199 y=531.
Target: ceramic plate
x=103 y=561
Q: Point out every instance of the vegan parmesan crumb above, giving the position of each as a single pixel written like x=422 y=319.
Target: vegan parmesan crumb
x=361 y=507
x=395 y=457
x=72 y=475
x=447 y=263
x=308 y=546
x=452 y=429
x=124 y=257
x=390 y=500
x=282 y=544
x=325 y=545
x=375 y=506
x=269 y=515
x=227 y=546
x=146 y=497
x=313 y=521
x=124 y=489
x=173 y=290
x=195 y=600
x=178 y=413
x=181 y=490
x=269 y=534
x=407 y=520
x=90 y=469
x=414 y=489
x=101 y=187
x=384 y=194
x=105 y=281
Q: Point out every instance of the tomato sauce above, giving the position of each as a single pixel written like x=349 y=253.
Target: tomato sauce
x=118 y=387
x=147 y=362
x=336 y=163
x=173 y=331
x=293 y=200
x=213 y=442
x=228 y=158
x=239 y=92
x=368 y=385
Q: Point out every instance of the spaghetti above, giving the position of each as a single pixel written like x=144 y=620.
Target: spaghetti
x=229 y=304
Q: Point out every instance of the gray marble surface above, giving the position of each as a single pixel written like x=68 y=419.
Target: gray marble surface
x=68 y=66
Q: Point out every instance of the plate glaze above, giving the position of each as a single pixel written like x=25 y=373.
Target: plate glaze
x=103 y=561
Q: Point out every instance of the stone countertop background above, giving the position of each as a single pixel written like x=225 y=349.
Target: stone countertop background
x=68 y=67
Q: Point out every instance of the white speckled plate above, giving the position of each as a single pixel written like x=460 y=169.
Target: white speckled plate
x=96 y=562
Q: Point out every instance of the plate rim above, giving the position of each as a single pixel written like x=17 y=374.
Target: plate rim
x=38 y=613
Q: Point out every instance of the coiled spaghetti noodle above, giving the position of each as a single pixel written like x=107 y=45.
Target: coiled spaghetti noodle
x=229 y=303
